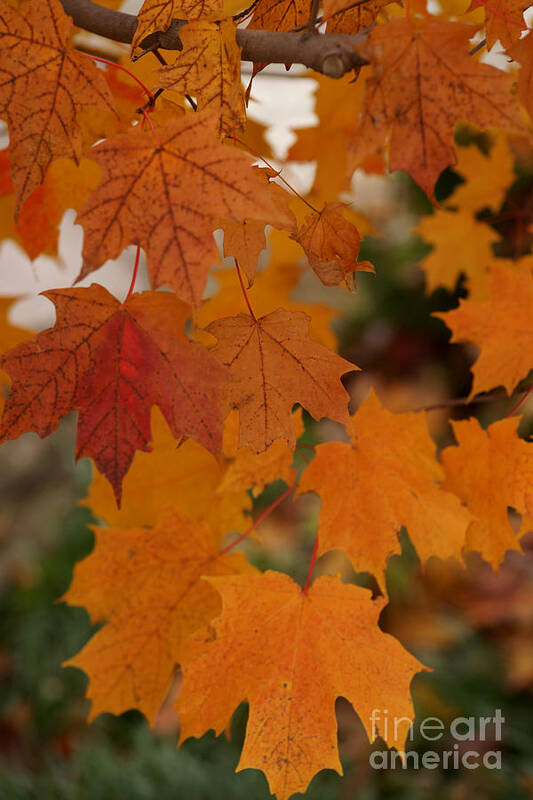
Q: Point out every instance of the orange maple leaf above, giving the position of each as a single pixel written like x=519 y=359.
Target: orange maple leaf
x=146 y=586
x=351 y=20
x=490 y=471
x=43 y=86
x=386 y=477
x=66 y=185
x=209 y=68
x=274 y=364
x=332 y=245
x=195 y=179
x=277 y=15
x=112 y=362
x=504 y=20
x=423 y=82
x=501 y=326
x=291 y=654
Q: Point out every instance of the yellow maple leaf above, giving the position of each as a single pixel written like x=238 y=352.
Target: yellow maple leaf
x=186 y=477
x=502 y=326
x=487 y=177
x=460 y=244
x=249 y=470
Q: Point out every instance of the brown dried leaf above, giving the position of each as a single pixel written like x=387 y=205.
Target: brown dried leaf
x=332 y=245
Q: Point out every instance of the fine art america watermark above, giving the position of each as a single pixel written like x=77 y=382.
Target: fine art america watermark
x=459 y=755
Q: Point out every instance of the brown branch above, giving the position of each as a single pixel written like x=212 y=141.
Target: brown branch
x=332 y=54
x=484 y=397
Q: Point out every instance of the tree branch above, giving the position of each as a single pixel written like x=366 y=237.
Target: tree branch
x=332 y=54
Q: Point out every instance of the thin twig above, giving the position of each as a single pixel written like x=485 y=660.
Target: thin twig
x=497 y=394
x=479 y=46
x=259 y=519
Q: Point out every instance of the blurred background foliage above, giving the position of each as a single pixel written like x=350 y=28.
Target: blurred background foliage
x=471 y=626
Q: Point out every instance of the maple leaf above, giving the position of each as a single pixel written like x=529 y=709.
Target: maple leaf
x=277 y=15
x=291 y=654
x=189 y=478
x=490 y=471
x=487 y=177
x=274 y=364
x=66 y=185
x=461 y=244
x=504 y=20
x=423 y=83
x=332 y=245
x=244 y=241
x=386 y=450
x=43 y=86
x=157 y=15
x=112 y=362
x=501 y=326
x=351 y=20
x=196 y=179
x=146 y=586
x=209 y=68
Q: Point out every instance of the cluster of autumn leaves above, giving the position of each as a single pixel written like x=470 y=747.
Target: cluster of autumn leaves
x=162 y=576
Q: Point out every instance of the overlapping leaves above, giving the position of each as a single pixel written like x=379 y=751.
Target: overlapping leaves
x=44 y=84
x=112 y=362
x=195 y=180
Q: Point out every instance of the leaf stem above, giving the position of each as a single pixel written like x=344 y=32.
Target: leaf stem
x=259 y=519
x=127 y=71
x=245 y=293
x=505 y=17
x=135 y=271
x=311 y=565
x=279 y=175
x=526 y=394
